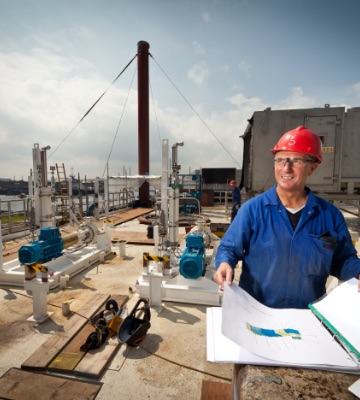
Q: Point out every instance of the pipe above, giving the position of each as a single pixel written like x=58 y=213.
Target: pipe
x=70 y=240
x=165 y=182
x=122 y=248
x=174 y=198
x=143 y=118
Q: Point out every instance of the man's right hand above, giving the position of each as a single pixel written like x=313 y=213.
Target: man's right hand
x=223 y=274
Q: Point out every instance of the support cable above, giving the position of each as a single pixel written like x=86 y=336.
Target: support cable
x=118 y=127
x=199 y=116
x=89 y=110
x=156 y=118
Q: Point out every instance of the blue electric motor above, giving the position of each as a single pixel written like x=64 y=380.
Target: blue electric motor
x=192 y=262
x=49 y=246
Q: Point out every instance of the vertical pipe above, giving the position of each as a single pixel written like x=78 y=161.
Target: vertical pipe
x=36 y=182
x=143 y=118
x=174 y=198
x=165 y=182
x=43 y=158
x=156 y=239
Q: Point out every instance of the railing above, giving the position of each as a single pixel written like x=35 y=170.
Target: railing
x=120 y=200
x=82 y=204
x=222 y=197
x=16 y=215
x=13 y=215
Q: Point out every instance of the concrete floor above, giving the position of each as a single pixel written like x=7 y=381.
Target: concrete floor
x=171 y=362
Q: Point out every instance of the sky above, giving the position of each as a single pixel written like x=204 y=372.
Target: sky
x=213 y=64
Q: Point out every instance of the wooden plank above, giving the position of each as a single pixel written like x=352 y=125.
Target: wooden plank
x=65 y=362
x=71 y=355
x=211 y=390
x=18 y=384
x=128 y=215
x=68 y=359
x=93 y=364
x=44 y=355
x=133 y=237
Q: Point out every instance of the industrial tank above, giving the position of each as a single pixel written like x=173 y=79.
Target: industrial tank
x=337 y=177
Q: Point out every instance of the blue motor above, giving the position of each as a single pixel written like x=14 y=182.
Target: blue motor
x=192 y=262
x=50 y=245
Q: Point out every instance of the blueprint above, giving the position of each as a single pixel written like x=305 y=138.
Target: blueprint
x=249 y=332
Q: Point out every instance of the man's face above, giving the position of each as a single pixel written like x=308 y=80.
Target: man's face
x=288 y=175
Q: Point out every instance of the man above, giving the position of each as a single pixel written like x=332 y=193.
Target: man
x=288 y=239
x=236 y=199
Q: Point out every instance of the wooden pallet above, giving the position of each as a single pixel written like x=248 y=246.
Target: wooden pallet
x=61 y=352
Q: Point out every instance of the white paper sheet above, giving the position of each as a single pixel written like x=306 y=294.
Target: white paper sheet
x=289 y=336
x=223 y=350
x=342 y=309
x=355 y=388
x=219 y=347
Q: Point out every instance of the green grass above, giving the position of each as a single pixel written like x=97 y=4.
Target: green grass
x=15 y=219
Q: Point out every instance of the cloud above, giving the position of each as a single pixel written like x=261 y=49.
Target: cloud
x=83 y=32
x=199 y=73
x=45 y=41
x=241 y=101
x=297 y=100
x=45 y=91
x=206 y=16
x=43 y=97
x=244 y=67
x=355 y=88
x=198 y=49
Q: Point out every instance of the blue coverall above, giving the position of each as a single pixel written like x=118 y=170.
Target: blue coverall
x=283 y=267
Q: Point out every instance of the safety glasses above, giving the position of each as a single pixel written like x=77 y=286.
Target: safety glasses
x=295 y=162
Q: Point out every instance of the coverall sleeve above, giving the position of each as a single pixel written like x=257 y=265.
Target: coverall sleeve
x=346 y=263
x=236 y=239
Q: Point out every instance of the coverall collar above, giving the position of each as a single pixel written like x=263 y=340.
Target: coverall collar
x=271 y=198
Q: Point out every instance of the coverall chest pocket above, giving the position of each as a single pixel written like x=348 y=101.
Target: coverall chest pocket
x=320 y=252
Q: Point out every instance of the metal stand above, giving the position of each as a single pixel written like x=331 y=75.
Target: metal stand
x=39 y=290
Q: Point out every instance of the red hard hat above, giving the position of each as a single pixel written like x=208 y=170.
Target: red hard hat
x=301 y=140
x=232 y=183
